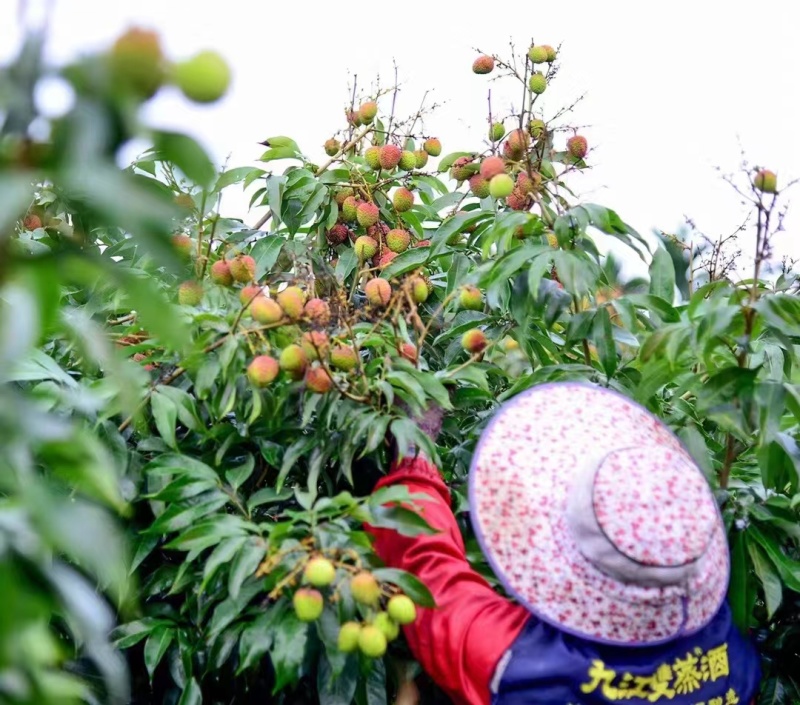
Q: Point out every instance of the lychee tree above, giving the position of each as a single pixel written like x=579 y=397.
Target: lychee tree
x=194 y=411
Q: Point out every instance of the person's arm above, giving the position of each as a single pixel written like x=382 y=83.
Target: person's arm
x=460 y=641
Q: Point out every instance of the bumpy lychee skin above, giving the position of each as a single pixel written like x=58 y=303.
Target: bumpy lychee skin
x=221 y=273
x=537 y=83
x=419 y=289
x=538 y=54
x=319 y=572
x=263 y=370
x=402 y=610
x=518 y=141
x=250 y=293
x=350 y=209
x=315 y=344
x=378 y=291
x=137 y=62
x=409 y=352
x=365 y=589
x=551 y=53
x=474 y=341
x=536 y=128
x=501 y=186
x=432 y=146
x=372 y=642
x=343 y=194
x=496 y=131
x=577 y=146
x=398 y=240
x=367 y=112
x=292 y=300
x=266 y=311
x=293 y=360
x=528 y=184
x=390 y=156
x=365 y=247
x=492 y=166
x=338 y=234
x=421 y=157
x=317 y=312
x=183 y=244
x=347 y=641
x=385 y=259
x=308 y=604
x=32 y=222
x=408 y=160
x=390 y=628
x=204 y=78
x=372 y=155
x=462 y=169
x=332 y=147
x=344 y=358
x=190 y=293
x=318 y=380
x=402 y=200
x=766 y=181
x=471 y=298
x=517 y=201
x=378 y=231
x=243 y=268
x=352 y=118
x=367 y=214
x=479 y=186
x=483 y=64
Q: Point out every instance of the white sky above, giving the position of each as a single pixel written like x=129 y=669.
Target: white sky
x=673 y=88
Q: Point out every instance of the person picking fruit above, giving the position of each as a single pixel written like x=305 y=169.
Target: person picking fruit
x=601 y=526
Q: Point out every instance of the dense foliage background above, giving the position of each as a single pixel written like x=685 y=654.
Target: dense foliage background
x=159 y=502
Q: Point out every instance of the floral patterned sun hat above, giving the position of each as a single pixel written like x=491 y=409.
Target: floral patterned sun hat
x=596 y=518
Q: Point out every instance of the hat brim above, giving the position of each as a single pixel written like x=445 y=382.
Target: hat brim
x=521 y=473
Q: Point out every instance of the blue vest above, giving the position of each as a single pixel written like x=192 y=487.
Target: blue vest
x=544 y=666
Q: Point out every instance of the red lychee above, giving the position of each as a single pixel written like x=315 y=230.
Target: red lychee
x=577 y=146
x=332 y=147
x=367 y=214
x=492 y=166
x=317 y=312
x=474 y=341
x=292 y=300
x=243 y=268
x=398 y=240
x=365 y=247
x=385 y=259
x=408 y=351
x=432 y=146
x=221 y=273
x=137 y=62
x=462 y=169
x=390 y=156
x=403 y=200
x=517 y=143
x=423 y=243
x=32 y=222
x=248 y=293
x=338 y=234
x=367 y=112
x=263 y=370
x=265 y=311
x=315 y=344
x=378 y=291
x=318 y=380
x=479 y=186
x=483 y=64
x=182 y=243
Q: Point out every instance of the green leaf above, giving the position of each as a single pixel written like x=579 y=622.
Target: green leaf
x=239 y=475
x=662 y=275
x=770 y=580
x=187 y=155
x=346 y=264
x=165 y=414
x=266 y=252
x=408 y=583
x=288 y=649
x=245 y=564
x=155 y=647
x=257 y=638
x=405 y=262
x=603 y=337
x=405 y=522
x=192 y=695
x=234 y=176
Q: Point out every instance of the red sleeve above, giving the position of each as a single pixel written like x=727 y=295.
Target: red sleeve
x=460 y=641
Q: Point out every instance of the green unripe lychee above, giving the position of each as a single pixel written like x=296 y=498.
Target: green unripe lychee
x=479 y=186
x=308 y=604
x=332 y=147
x=536 y=128
x=496 y=131
x=263 y=370
x=483 y=64
x=372 y=155
x=398 y=240
x=221 y=273
x=407 y=160
x=372 y=642
x=471 y=298
x=343 y=357
x=243 y=268
x=766 y=181
x=190 y=293
x=365 y=247
x=183 y=244
x=347 y=642
x=492 y=166
x=419 y=289
x=367 y=214
x=501 y=186
x=390 y=156
x=365 y=588
x=402 y=200
x=401 y=609
x=293 y=360
x=389 y=628
x=292 y=300
x=474 y=340
x=266 y=311
x=137 y=62
x=538 y=54
x=378 y=291
x=349 y=209
x=204 y=78
x=537 y=83
x=577 y=146
x=432 y=146
x=422 y=158
x=367 y=112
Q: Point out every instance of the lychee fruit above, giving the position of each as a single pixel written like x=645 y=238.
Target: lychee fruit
x=292 y=300
x=293 y=360
x=390 y=155
x=263 y=370
x=378 y=231
x=474 y=341
x=483 y=64
x=317 y=312
x=221 y=273
x=367 y=214
x=343 y=194
x=401 y=609
x=537 y=83
x=407 y=160
x=332 y=147
x=352 y=117
x=516 y=144
x=318 y=380
x=552 y=240
x=390 y=628
x=367 y=112
x=517 y=201
x=347 y=641
x=372 y=155
x=419 y=289
x=344 y=357
x=422 y=158
x=408 y=351
x=378 y=291
x=249 y=293
x=182 y=243
x=496 y=131
x=402 y=200
x=501 y=186
x=577 y=146
x=479 y=186
x=308 y=604
x=551 y=53
x=528 y=183
x=315 y=344
x=462 y=169
x=536 y=128
x=385 y=259
x=471 y=298
x=204 y=78
x=190 y=293
x=243 y=268
x=492 y=166
x=398 y=240
x=365 y=247
x=137 y=62
x=538 y=54
x=432 y=146
x=338 y=234
x=34 y=222
x=766 y=181
x=372 y=642
x=365 y=589
x=265 y=311
x=350 y=209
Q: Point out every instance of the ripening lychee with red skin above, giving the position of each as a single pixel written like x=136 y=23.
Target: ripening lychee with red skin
x=332 y=147
x=31 y=222
x=419 y=289
x=352 y=117
x=344 y=357
x=182 y=243
x=402 y=200
x=317 y=312
x=471 y=298
x=517 y=143
x=423 y=243
x=318 y=380
x=337 y=234
x=190 y=293
x=483 y=64
x=385 y=259
x=378 y=291
x=408 y=351
x=221 y=273
x=378 y=231
x=263 y=370
x=315 y=344
x=367 y=112
x=137 y=61
x=390 y=156
x=308 y=604
x=266 y=311
x=462 y=169
x=528 y=183
x=365 y=588
x=537 y=83
x=551 y=53
x=250 y=293
x=766 y=181
x=243 y=268
x=421 y=157
x=577 y=146
x=292 y=300
x=365 y=247
x=372 y=155
x=398 y=240
x=293 y=360
x=479 y=186
x=432 y=146
x=407 y=160
x=474 y=341
x=517 y=201
x=367 y=214
x=350 y=209
x=492 y=166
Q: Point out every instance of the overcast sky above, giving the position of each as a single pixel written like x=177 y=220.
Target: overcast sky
x=673 y=89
